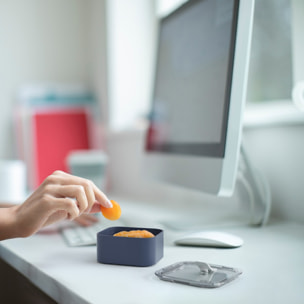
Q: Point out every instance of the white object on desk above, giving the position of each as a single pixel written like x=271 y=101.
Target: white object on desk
x=12 y=181
x=210 y=239
x=298 y=95
x=90 y=164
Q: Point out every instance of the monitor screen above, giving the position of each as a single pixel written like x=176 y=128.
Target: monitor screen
x=193 y=79
x=200 y=83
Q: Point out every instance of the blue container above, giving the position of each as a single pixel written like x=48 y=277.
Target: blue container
x=129 y=251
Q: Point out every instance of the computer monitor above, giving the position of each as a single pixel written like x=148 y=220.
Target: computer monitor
x=194 y=135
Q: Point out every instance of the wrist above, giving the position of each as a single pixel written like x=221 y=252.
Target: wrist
x=8 y=223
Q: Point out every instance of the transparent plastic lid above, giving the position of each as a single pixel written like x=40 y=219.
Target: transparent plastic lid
x=198 y=274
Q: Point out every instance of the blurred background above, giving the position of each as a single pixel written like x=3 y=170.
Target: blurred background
x=76 y=79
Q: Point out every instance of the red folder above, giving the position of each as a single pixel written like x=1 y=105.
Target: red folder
x=56 y=132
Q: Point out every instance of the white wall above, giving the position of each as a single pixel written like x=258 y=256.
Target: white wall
x=41 y=41
x=278 y=151
x=298 y=41
x=130 y=46
x=98 y=66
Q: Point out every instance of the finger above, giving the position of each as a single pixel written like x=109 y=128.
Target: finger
x=95 y=208
x=101 y=198
x=73 y=191
x=68 y=205
x=68 y=179
x=62 y=178
x=88 y=188
x=55 y=217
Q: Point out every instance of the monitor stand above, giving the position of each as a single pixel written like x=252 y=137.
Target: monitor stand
x=257 y=188
x=253 y=193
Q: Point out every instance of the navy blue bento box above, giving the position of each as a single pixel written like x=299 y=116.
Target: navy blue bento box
x=128 y=250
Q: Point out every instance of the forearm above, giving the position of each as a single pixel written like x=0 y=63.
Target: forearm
x=6 y=205
x=8 y=227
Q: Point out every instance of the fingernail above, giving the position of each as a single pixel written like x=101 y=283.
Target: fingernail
x=109 y=204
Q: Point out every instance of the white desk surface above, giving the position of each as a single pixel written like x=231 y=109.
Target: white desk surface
x=271 y=258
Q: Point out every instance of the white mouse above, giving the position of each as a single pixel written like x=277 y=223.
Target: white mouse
x=210 y=239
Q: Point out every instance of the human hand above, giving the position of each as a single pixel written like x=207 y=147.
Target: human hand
x=60 y=196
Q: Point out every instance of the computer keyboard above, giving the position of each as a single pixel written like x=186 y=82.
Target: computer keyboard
x=85 y=236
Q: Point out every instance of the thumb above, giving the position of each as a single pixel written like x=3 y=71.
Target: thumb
x=95 y=208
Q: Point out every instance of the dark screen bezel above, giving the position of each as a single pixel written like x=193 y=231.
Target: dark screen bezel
x=211 y=149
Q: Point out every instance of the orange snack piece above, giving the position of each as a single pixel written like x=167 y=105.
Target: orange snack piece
x=113 y=213
x=135 y=234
